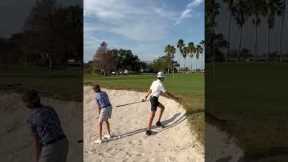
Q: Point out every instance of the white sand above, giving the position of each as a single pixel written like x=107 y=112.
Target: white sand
x=176 y=143
x=221 y=147
x=15 y=139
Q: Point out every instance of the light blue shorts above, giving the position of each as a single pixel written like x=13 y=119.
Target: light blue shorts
x=105 y=113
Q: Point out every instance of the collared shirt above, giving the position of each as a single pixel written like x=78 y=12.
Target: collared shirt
x=157 y=88
x=102 y=99
x=44 y=123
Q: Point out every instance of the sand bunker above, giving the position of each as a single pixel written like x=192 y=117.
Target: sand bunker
x=15 y=139
x=220 y=146
x=175 y=143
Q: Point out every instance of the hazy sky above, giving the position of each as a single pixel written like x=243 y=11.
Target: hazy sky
x=145 y=27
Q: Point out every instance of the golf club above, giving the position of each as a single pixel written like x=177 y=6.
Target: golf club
x=131 y=103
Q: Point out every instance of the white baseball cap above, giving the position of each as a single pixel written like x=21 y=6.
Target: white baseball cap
x=160 y=74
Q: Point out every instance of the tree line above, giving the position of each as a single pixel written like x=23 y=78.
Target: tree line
x=106 y=61
x=242 y=12
x=185 y=50
x=51 y=35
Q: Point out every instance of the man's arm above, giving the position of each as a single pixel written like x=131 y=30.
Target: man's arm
x=148 y=93
x=168 y=94
x=99 y=108
x=36 y=148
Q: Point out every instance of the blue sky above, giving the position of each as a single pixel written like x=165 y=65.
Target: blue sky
x=145 y=27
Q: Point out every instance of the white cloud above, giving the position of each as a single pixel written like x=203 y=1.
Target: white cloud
x=136 y=20
x=187 y=12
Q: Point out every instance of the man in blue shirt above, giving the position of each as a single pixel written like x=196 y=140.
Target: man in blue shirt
x=104 y=110
x=49 y=141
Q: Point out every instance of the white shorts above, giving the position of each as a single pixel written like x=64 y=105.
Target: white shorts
x=105 y=113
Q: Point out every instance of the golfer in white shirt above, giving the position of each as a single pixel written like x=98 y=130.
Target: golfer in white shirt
x=156 y=89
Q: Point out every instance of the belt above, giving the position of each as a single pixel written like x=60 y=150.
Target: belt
x=54 y=140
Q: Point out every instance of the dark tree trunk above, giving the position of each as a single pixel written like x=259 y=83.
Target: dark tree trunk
x=240 y=43
x=281 y=32
x=269 y=47
x=229 y=37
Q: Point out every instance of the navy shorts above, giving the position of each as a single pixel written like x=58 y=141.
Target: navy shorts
x=154 y=103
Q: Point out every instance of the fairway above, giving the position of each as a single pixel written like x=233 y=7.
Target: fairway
x=61 y=83
x=189 y=87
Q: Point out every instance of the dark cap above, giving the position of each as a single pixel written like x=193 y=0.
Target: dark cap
x=96 y=88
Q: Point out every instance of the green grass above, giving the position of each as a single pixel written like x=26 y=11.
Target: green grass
x=252 y=98
x=64 y=83
x=190 y=87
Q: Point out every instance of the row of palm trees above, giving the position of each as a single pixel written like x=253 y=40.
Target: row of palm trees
x=191 y=49
x=256 y=11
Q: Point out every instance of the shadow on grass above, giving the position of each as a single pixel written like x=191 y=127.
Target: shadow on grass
x=169 y=123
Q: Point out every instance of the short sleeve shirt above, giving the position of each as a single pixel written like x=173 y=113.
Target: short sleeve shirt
x=102 y=99
x=157 y=88
x=45 y=124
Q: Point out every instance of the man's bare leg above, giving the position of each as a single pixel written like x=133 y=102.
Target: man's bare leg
x=162 y=108
x=150 y=119
x=108 y=127
x=100 y=129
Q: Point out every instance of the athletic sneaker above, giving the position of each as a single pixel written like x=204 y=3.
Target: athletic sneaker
x=98 y=141
x=159 y=124
x=148 y=132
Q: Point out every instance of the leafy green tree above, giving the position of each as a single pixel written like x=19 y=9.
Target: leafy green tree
x=54 y=33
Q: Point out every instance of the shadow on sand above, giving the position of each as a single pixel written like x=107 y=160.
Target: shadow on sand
x=173 y=121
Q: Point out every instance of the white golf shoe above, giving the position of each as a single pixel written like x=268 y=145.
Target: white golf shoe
x=98 y=141
x=107 y=136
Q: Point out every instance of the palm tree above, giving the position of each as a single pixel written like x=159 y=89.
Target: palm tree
x=191 y=50
x=284 y=7
x=198 y=50
x=230 y=6
x=184 y=54
x=202 y=43
x=170 y=51
x=180 y=46
x=274 y=8
x=241 y=13
x=259 y=9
